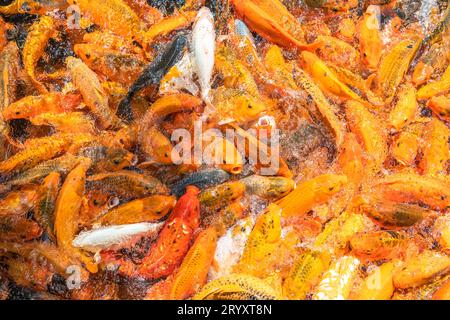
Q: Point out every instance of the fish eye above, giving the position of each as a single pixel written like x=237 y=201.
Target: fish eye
x=17 y=112
x=88 y=55
x=116 y=161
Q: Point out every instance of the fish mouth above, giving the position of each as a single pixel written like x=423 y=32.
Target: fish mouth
x=236 y=170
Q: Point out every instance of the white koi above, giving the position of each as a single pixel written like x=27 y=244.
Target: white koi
x=203 y=47
x=115 y=237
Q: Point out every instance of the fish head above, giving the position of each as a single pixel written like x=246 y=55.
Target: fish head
x=88 y=53
x=280 y=186
x=204 y=14
x=243 y=32
x=208 y=237
x=73 y=63
x=15 y=111
x=234 y=190
x=160 y=205
x=248 y=108
x=308 y=59
x=97 y=199
x=188 y=208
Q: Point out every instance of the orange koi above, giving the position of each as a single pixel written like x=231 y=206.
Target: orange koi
x=37 y=38
x=194 y=269
x=67 y=211
x=167 y=253
x=149 y=209
x=32 y=106
x=311 y=193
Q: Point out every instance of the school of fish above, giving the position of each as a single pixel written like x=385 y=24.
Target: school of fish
x=97 y=202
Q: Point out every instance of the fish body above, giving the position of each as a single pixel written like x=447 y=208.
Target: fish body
x=152 y=74
x=39 y=7
x=173 y=243
x=377 y=245
x=107 y=159
x=242 y=30
x=32 y=106
x=384 y=288
x=193 y=271
x=421 y=269
x=92 y=91
x=399 y=188
x=326 y=78
x=305 y=274
x=203 y=47
x=324 y=107
x=370 y=40
x=399 y=215
x=440 y=28
x=116 y=65
x=221 y=195
x=37 y=38
x=113 y=15
x=272 y=21
x=62 y=165
x=230 y=247
x=435 y=151
x=169 y=24
x=9 y=67
x=337 y=282
x=405 y=110
x=238 y=105
x=148 y=209
x=17 y=229
x=157 y=147
x=441 y=107
x=268 y=187
x=45 y=207
x=338 y=52
x=394 y=66
x=18 y=203
x=370 y=132
x=115 y=237
x=261 y=244
x=66 y=122
x=126 y=183
x=237 y=287
x=310 y=193
x=67 y=211
x=202 y=179
x=38 y=151
x=167 y=105
x=435 y=88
